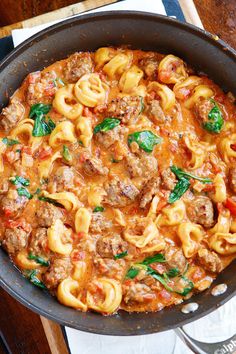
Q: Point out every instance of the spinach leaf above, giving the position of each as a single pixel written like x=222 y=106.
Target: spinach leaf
x=23 y=192
x=18 y=180
x=98 y=208
x=132 y=272
x=145 y=139
x=173 y=272
x=43 y=127
x=215 y=120
x=66 y=154
x=107 y=124
x=180 y=188
x=49 y=200
x=10 y=142
x=39 y=109
x=38 y=260
x=121 y=255
x=38 y=190
x=153 y=259
x=32 y=276
x=181 y=173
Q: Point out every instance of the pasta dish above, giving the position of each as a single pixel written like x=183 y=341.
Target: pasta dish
x=118 y=180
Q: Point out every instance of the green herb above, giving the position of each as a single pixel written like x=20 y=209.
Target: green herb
x=173 y=272
x=114 y=160
x=66 y=154
x=121 y=255
x=132 y=272
x=41 y=126
x=180 y=188
x=32 y=276
x=44 y=181
x=23 y=192
x=18 y=180
x=180 y=173
x=141 y=104
x=98 y=208
x=145 y=139
x=38 y=190
x=153 y=259
x=80 y=142
x=38 y=260
x=49 y=200
x=107 y=124
x=18 y=150
x=10 y=142
x=215 y=119
x=39 y=109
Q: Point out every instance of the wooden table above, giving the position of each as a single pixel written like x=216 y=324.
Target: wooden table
x=23 y=330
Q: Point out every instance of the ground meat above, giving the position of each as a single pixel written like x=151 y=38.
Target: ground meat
x=60 y=268
x=39 y=242
x=149 y=65
x=93 y=166
x=11 y=115
x=110 y=268
x=210 y=260
x=232 y=178
x=77 y=65
x=41 y=87
x=168 y=179
x=127 y=108
x=136 y=292
x=111 y=136
x=47 y=214
x=150 y=188
x=201 y=211
x=63 y=179
x=141 y=166
x=15 y=240
x=119 y=193
x=175 y=258
x=110 y=245
x=12 y=203
x=155 y=112
x=99 y=223
x=202 y=108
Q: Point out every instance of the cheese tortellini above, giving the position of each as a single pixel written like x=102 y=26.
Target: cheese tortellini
x=66 y=103
x=90 y=90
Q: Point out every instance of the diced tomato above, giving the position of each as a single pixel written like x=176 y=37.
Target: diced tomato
x=7 y=212
x=81 y=235
x=164 y=295
x=209 y=188
x=231 y=205
x=220 y=98
x=127 y=282
x=100 y=108
x=44 y=153
x=220 y=207
x=32 y=77
x=233 y=147
x=27 y=150
x=133 y=210
x=77 y=255
x=160 y=268
x=198 y=274
x=12 y=224
x=82 y=158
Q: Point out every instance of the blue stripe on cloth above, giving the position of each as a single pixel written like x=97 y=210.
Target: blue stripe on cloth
x=173 y=8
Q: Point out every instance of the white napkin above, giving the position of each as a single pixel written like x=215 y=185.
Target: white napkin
x=215 y=327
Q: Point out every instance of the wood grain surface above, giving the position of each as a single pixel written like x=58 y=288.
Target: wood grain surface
x=21 y=329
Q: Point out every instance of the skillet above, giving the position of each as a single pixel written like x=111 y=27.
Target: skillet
x=87 y=33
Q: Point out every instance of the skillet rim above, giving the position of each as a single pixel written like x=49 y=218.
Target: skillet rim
x=206 y=36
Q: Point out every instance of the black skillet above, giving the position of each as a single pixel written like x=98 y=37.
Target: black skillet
x=87 y=33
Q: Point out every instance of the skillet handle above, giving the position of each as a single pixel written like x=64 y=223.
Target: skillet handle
x=227 y=346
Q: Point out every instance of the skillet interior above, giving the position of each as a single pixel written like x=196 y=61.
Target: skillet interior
x=142 y=31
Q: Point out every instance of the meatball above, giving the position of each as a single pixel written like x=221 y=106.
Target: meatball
x=232 y=178
x=127 y=108
x=12 y=203
x=15 y=240
x=202 y=108
x=155 y=112
x=119 y=193
x=201 y=211
x=39 y=242
x=150 y=188
x=111 y=136
x=137 y=292
x=77 y=65
x=99 y=223
x=175 y=258
x=60 y=268
x=11 y=115
x=41 y=87
x=168 y=179
x=209 y=260
x=110 y=245
x=110 y=268
x=93 y=166
x=47 y=214
x=141 y=166
x=149 y=64
x=63 y=179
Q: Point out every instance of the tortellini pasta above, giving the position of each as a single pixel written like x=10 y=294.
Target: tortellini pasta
x=66 y=103
x=223 y=243
x=59 y=238
x=130 y=79
x=66 y=294
x=172 y=215
x=190 y=235
x=68 y=199
x=85 y=131
x=201 y=91
x=95 y=195
x=223 y=222
x=220 y=194
x=198 y=151
x=184 y=88
x=117 y=65
x=63 y=133
x=82 y=220
x=103 y=56
x=45 y=167
x=171 y=70
x=112 y=295
x=24 y=262
x=24 y=129
x=2 y=150
x=226 y=147
x=166 y=94
x=90 y=90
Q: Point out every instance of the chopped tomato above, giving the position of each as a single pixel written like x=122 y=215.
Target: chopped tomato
x=45 y=153
x=160 y=268
x=164 y=295
x=77 y=255
x=198 y=274
x=32 y=77
x=233 y=147
x=82 y=158
x=27 y=150
x=133 y=210
x=127 y=282
x=220 y=207
x=100 y=108
x=220 y=98
x=12 y=224
x=7 y=212
x=81 y=235
x=231 y=205
x=208 y=188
